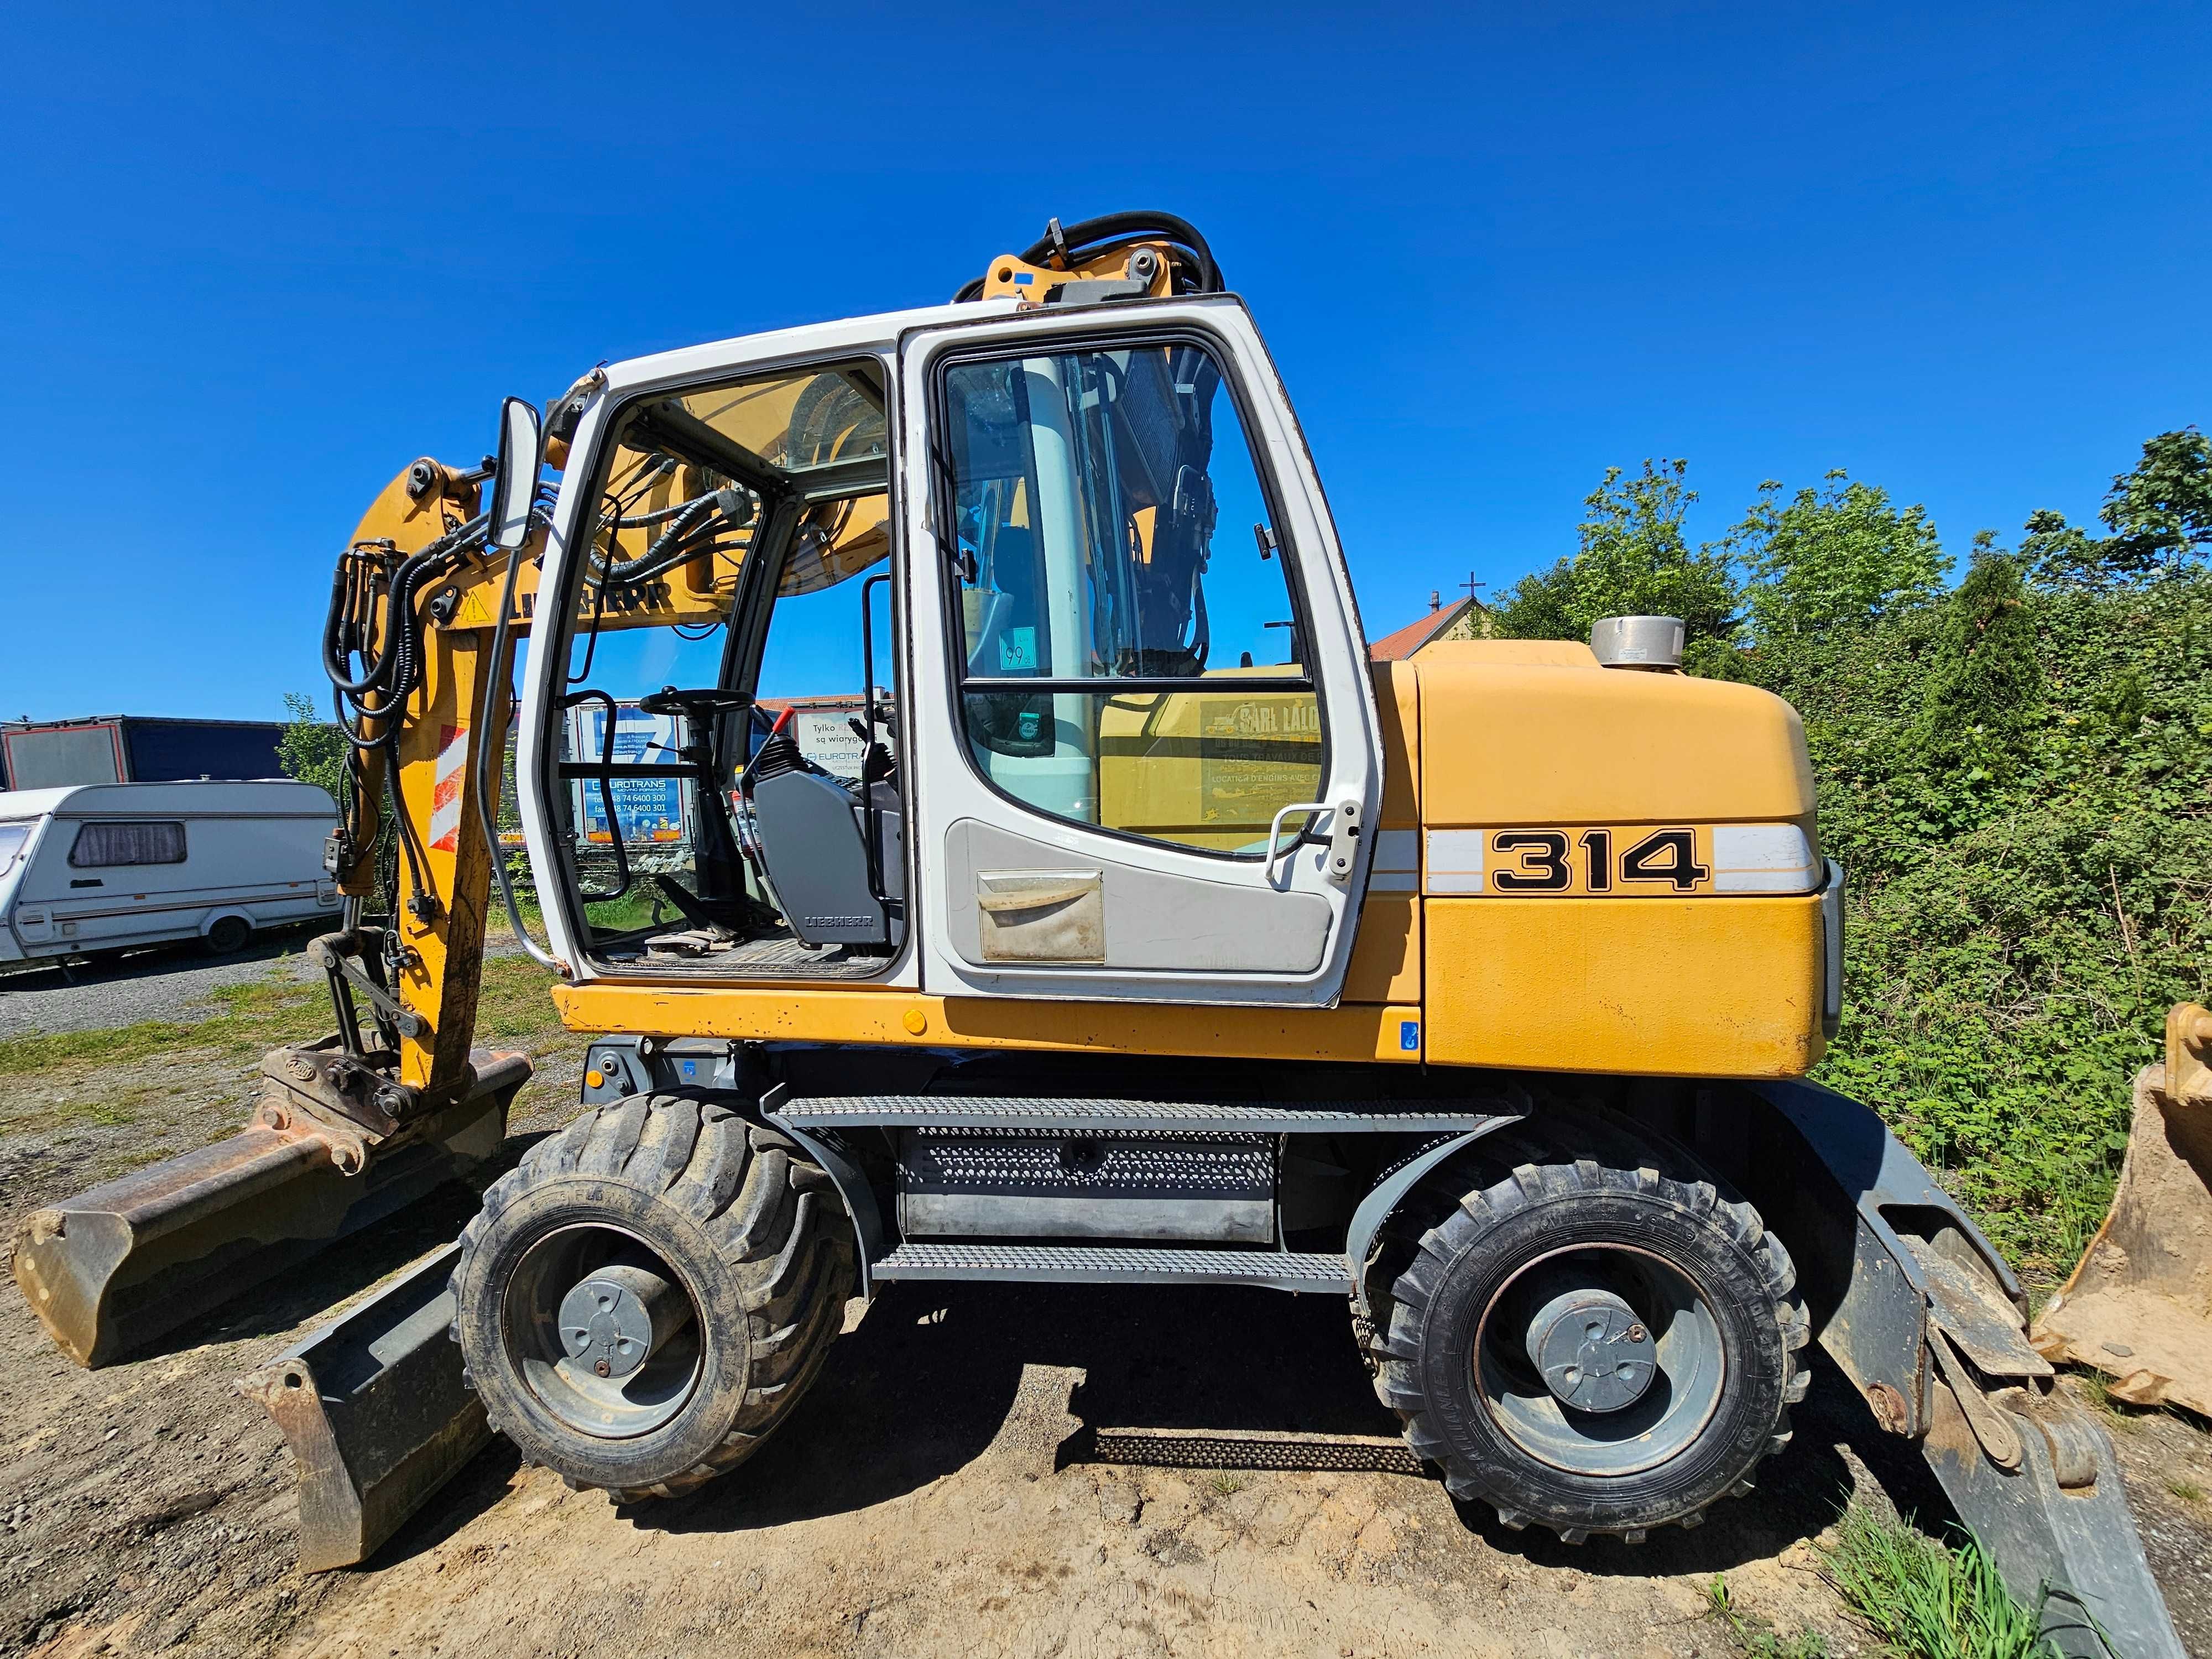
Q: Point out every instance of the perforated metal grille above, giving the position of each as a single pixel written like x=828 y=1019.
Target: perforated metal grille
x=1104 y=1165
x=1233 y=1448
x=760 y=958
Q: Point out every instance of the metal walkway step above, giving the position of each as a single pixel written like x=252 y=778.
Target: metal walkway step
x=1006 y=1112
x=1074 y=1264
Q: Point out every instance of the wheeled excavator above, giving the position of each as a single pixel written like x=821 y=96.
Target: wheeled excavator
x=959 y=802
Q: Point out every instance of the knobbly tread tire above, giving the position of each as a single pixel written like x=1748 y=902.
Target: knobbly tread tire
x=1557 y=1157
x=758 y=1225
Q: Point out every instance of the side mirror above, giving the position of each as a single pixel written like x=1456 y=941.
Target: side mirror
x=515 y=486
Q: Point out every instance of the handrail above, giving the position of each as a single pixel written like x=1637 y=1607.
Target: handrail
x=501 y=678
x=1275 y=829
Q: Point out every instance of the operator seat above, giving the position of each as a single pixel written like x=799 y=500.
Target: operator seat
x=812 y=829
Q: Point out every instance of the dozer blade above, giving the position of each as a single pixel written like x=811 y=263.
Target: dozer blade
x=117 y=1267
x=2139 y=1305
x=376 y=1413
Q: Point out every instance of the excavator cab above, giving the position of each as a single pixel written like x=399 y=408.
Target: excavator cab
x=1003 y=658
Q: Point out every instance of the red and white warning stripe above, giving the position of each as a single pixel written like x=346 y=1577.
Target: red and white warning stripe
x=446 y=791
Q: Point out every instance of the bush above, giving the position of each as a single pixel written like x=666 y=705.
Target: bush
x=2017 y=775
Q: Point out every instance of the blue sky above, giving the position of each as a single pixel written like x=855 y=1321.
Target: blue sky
x=257 y=260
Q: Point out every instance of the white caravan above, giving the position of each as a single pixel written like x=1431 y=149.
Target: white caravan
x=115 y=866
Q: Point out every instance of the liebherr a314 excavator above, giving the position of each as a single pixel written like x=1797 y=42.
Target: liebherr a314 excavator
x=954 y=781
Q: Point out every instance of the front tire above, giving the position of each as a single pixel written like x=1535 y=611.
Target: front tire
x=720 y=1261
x=1598 y=1344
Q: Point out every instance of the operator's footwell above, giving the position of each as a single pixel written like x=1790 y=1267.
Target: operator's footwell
x=694 y=954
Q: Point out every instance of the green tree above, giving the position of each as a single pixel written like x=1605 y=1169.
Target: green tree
x=2159 y=514
x=312 y=749
x=1988 y=674
x=1839 y=556
x=1632 y=559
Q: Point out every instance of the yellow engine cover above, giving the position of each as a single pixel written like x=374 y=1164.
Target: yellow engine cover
x=1618 y=869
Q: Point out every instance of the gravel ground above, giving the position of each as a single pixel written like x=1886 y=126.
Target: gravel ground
x=175 y=982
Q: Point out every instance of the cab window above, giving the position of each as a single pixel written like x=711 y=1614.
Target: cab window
x=1130 y=639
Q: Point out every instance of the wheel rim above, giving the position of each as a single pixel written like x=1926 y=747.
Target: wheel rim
x=603 y=1333
x=1626 y=1336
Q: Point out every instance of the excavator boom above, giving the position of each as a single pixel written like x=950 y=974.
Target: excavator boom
x=346 y=1131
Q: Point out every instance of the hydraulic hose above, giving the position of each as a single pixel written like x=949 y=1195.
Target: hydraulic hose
x=382 y=690
x=692 y=528
x=1088 y=237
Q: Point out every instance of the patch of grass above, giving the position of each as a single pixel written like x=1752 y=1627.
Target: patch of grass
x=1226 y=1486
x=515 y=1003
x=1752 y=1636
x=2187 y=1491
x=2097 y=1390
x=107 y=1114
x=1924 y=1601
x=103 y=1112
x=254 y=1016
x=43 y=1051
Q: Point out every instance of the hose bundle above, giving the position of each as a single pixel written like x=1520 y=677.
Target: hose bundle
x=375 y=618
x=1193 y=267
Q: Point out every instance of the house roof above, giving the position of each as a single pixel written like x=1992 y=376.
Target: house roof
x=1396 y=647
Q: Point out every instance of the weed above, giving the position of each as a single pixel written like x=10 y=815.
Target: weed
x=2187 y=1491
x=1226 y=1486
x=2097 y=1390
x=1752 y=1638
x=1924 y=1601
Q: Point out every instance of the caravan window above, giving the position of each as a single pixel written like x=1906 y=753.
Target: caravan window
x=102 y=846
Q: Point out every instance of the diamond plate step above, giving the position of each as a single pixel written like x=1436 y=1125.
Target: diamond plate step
x=1069 y=1264
x=1006 y=1112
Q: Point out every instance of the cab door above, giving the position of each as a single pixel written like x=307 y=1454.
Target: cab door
x=1145 y=739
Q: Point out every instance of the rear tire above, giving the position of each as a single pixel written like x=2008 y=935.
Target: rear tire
x=1493 y=1233
x=727 y=1213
